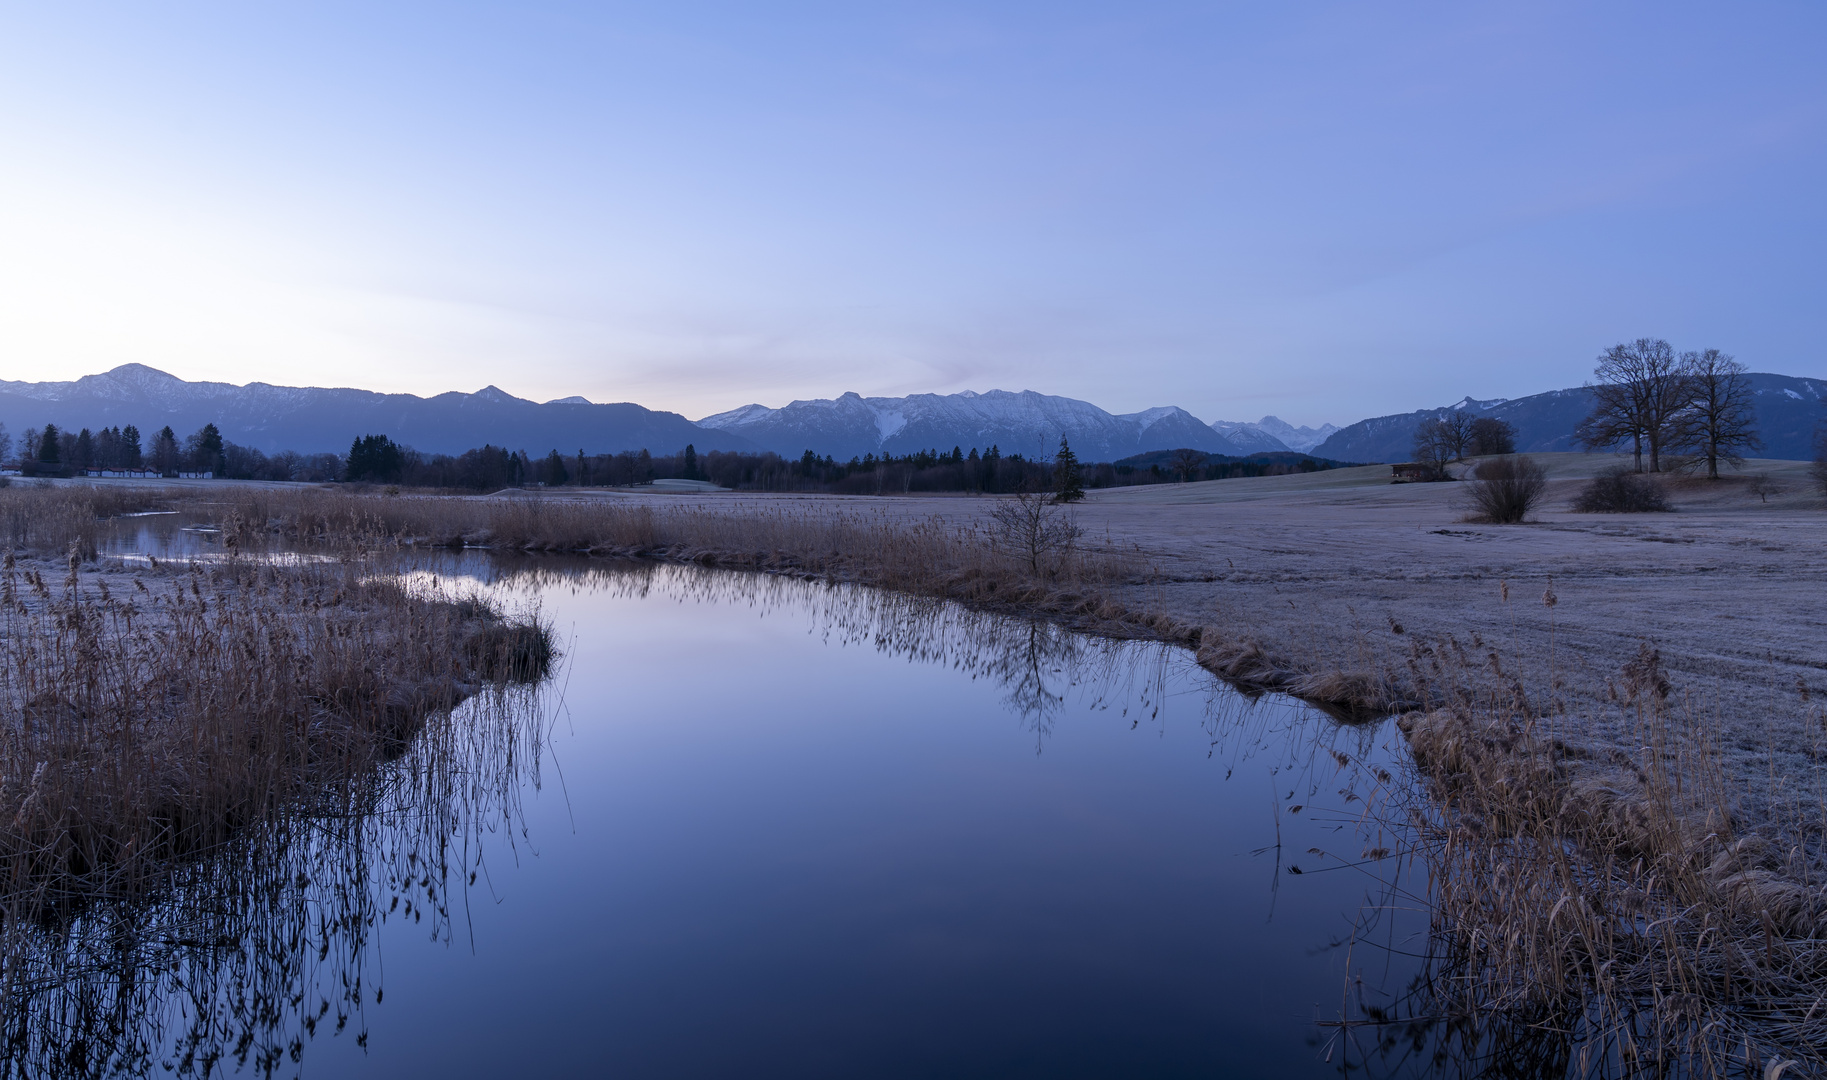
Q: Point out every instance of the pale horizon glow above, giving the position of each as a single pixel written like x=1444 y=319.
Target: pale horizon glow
x=1322 y=213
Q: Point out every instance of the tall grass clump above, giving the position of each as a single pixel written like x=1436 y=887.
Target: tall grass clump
x=1621 y=491
x=1504 y=489
x=1596 y=912
x=48 y=519
x=144 y=718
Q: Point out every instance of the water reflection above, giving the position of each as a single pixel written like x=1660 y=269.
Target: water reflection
x=253 y=958
x=242 y=958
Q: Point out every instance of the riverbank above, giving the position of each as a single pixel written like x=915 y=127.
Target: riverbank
x=1631 y=692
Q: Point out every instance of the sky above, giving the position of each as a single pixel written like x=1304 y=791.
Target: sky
x=1322 y=211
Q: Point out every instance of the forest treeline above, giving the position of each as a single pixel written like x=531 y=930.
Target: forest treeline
x=51 y=451
x=377 y=459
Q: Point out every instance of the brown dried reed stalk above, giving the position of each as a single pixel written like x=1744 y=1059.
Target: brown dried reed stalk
x=1603 y=911
x=148 y=718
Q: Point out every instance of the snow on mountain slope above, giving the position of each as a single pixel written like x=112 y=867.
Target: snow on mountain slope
x=1026 y=423
x=1274 y=433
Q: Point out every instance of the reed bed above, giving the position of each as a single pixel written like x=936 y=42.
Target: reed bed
x=152 y=715
x=49 y=519
x=245 y=956
x=1596 y=912
x=981 y=564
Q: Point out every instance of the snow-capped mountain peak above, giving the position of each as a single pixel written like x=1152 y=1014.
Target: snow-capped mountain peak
x=1472 y=404
x=1019 y=422
x=1274 y=433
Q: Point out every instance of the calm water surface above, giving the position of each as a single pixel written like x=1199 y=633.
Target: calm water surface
x=756 y=827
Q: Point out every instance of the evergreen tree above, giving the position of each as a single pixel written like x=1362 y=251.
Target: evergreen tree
x=553 y=470
x=376 y=459
x=85 y=450
x=203 y=449
x=165 y=451
x=49 y=446
x=1068 y=481
x=132 y=457
x=691 y=462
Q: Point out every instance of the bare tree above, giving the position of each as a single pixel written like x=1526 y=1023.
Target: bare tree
x=1434 y=444
x=1456 y=433
x=1641 y=387
x=1186 y=462
x=1492 y=436
x=1721 y=417
x=1032 y=529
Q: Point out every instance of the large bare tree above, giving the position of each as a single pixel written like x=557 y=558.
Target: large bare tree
x=1456 y=432
x=1186 y=462
x=1720 y=420
x=1434 y=447
x=1640 y=388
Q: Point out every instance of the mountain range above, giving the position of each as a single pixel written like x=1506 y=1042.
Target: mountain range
x=312 y=419
x=1025 y=423
x=1788 y=410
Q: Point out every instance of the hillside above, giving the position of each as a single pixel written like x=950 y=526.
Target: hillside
x=1788 y=409
x=313 y=419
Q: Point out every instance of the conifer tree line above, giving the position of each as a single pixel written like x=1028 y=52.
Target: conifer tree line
x=54 y=451
x=376 y=458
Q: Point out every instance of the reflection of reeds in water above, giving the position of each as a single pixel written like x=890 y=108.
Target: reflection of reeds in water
x=1043 y=667
x=238 y=960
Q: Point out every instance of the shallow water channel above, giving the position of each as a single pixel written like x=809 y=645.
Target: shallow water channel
x=760 y=827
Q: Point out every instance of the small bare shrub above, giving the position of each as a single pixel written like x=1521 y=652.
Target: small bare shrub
x=1506 y=488
x=1031 y=529
x=1621 y=491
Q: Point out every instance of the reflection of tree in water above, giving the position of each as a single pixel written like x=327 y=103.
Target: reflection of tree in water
x=244 y=956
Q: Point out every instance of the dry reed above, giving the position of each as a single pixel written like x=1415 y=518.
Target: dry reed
x=1596 y=913
x=154 y=715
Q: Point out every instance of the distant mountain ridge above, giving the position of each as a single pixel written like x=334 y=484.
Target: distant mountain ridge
x=1025 y=422
x=1788 y=408
x=1272 y=433
x=314 y=419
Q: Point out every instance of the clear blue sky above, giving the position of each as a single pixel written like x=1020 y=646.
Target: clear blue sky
x=1323 y=211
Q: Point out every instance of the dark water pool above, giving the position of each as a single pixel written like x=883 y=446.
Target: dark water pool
x=756 y=827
